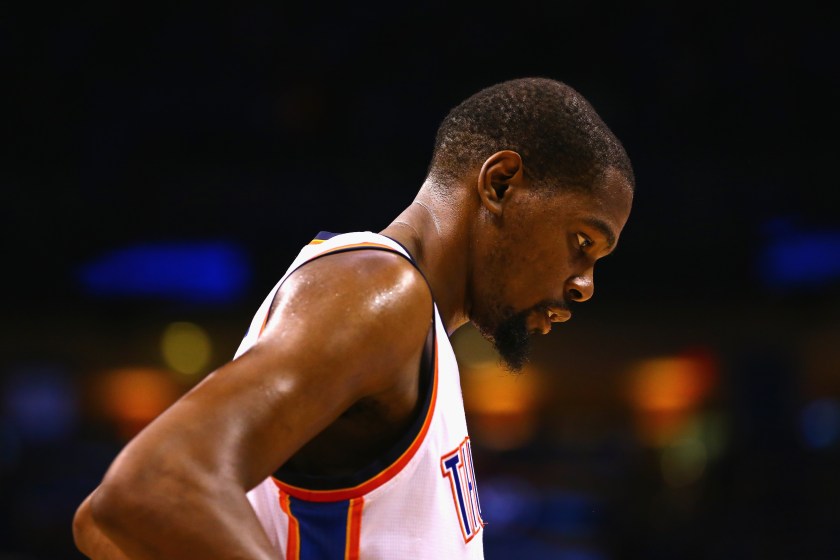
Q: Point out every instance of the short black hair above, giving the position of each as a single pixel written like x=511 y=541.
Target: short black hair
x=553 y=127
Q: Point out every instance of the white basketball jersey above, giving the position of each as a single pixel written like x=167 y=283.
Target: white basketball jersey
x=420 y=501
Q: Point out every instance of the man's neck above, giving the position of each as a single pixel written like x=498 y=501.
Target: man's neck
x=436 y=235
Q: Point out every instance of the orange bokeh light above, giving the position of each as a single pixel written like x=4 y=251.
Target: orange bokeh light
x=501 y=407
x=665 y=393
x=133 y=397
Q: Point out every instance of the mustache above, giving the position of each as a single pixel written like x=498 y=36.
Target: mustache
x=545 y=305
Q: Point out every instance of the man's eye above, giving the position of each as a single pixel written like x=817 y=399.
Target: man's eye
x=583 y=241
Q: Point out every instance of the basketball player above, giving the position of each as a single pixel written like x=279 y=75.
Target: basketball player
x=338 y=430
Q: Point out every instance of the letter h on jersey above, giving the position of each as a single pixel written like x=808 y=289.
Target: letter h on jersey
x=457 y=466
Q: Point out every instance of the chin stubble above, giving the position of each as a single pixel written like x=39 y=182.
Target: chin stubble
x=512 y=341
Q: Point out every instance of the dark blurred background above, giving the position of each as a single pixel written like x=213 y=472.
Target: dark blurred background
x=162 y=167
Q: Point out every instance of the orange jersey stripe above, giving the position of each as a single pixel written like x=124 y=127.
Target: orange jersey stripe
x=354 y=528
x=354 y=245
x=293 y=537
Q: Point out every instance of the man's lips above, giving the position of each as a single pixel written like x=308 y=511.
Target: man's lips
x=541 y=320
x=559 y=315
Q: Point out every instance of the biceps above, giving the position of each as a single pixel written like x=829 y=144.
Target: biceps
x=247 y=418
x=315 y=359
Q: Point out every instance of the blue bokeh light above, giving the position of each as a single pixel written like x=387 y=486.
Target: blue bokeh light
x=796 y=258
x=39 y=404
x=209 y=272
x=820 y=423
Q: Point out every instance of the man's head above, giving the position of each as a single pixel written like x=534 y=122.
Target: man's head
x=551 y=188
x=561 y=139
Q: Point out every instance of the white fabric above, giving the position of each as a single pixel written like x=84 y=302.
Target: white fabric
x=415 y=514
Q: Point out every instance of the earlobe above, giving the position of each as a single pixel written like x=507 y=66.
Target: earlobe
x=500 y=172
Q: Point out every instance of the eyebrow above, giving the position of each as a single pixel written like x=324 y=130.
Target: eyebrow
x=605 y=230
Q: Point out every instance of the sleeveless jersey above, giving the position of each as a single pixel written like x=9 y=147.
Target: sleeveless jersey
x=419 y=501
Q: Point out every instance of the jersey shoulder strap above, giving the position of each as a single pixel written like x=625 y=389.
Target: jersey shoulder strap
x=325 y=243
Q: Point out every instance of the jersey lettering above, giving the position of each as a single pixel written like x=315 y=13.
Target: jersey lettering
x=457 y=466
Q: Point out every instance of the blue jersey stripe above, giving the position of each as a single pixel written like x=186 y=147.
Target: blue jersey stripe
x=323 y=528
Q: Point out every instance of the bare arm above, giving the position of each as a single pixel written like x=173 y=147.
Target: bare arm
x=343 y=328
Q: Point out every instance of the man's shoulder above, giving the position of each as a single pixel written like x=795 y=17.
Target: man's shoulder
x=361 y=273
x=365 y=313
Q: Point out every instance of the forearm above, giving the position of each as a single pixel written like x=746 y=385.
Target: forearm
x=179 y=519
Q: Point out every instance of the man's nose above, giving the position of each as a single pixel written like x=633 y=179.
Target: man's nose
x=580 y=288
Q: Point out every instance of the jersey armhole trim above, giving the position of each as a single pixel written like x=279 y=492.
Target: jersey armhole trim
x=336 y=488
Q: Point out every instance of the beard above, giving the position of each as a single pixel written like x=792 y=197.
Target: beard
x=511 y=339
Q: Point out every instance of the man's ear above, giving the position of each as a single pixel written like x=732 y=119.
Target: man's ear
x=501 y=172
